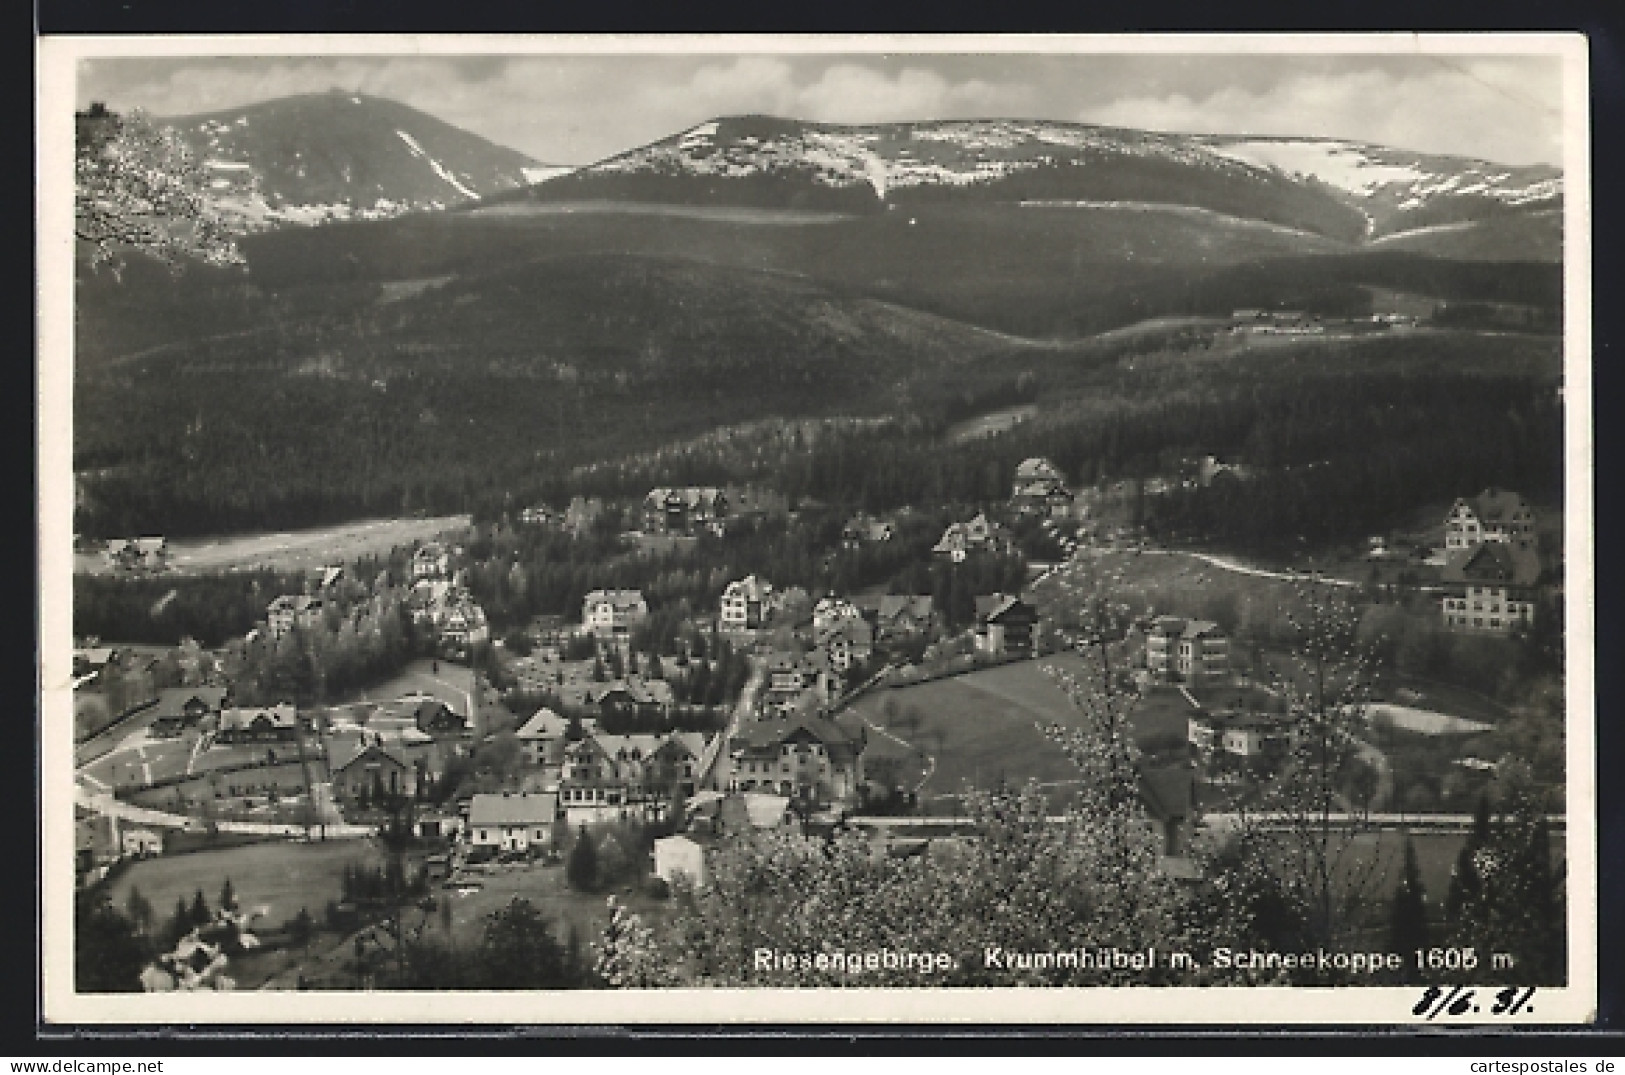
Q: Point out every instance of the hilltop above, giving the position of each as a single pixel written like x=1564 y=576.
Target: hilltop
x=338 y=156
x=1338 y=189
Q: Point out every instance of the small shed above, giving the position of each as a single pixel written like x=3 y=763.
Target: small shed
x=675 y=855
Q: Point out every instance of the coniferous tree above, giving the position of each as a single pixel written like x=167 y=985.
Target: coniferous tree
x=180 y=923
x=199 y=911
x=1408 y=914
x=581 y=869
x=109 y=953
x=138 y=910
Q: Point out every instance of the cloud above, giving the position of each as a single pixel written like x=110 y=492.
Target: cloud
x=853 y=93
x=1506 y=111
x=576 y=109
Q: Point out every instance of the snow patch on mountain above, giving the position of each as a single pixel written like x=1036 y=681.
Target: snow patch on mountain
x=1411 y=180
x=541 y=173
x=439 y=169
x=955 y=153
x=1336 y=164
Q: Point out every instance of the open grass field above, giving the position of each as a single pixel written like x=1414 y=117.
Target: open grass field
x=1378 y=858
x=979 y=729
x=546 y=889
x=137 y=762
x=453 y=684
x=281 y=877
x=297 y=550
x=985 y=425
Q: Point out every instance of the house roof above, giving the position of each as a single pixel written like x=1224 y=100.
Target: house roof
x=508 y=808
x=1178 y=626
x=283 y=715
x=773 y=731
x=636 y=747
x=995 y=606
x=1497 y=505
x=892 y=606
x=1494 y=562
x=831 y=607
x=543 y=724
x=1235 y=698
x=750 y=588
x=172 y=700
x=693 y=742
x=692 y=496
x=1168 y=792
x=853 y=630
x=756 y=810
x=1038 y=469
x=621 y=599
x=343 y=753
x=1042 y=490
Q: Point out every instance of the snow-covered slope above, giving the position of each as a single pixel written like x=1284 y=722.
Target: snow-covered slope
x=336 y=156
x=1344 y=190
x=1399 y=190
x=893 y=156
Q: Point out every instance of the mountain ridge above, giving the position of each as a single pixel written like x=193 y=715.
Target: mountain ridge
x=318 y=157
x=1341 y=188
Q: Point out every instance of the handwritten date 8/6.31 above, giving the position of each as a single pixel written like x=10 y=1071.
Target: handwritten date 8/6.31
x=1459 y=1001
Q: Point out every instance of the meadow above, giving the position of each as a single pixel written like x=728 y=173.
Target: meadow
x=981 y=730
x=281 y=877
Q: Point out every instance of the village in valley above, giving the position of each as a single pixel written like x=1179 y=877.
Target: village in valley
x=491 y=752
x=785 y=544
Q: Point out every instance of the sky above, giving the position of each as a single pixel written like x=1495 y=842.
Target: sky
x=576 y=109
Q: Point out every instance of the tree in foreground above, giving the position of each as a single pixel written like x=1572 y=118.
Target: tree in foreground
x=1408 y=914
x=1506 y=895
x=108 y=952
x=581 y=869
x=140 y=189
x=138 y=910
x=1306 y=834
x=517 y=950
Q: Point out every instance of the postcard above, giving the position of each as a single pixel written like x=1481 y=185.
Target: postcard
x=776 y=530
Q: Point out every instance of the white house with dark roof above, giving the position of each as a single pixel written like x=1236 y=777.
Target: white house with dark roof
x=431 y=561
x=808 y=757
x=1493 y=515
x=746 y=605
x=1040 y=489
x=1491 y=587
x=613 y=612
x=832 y=611
x=847 y=642
x=1196 y=651
x=292 y=610
x=259 y=724
x=683 y=510
x=180 y=708
x=513 y=820
x=904 y=616
x=962 y=540
x=137 y=554
x=1004 y=625
x=541 y=738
